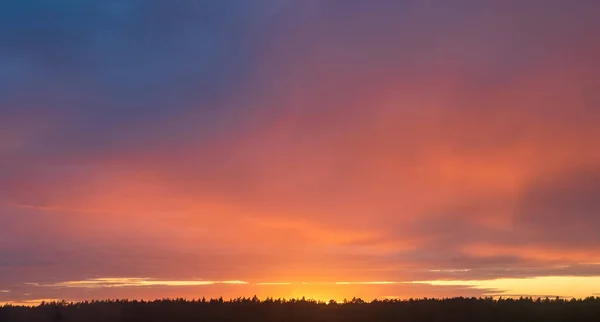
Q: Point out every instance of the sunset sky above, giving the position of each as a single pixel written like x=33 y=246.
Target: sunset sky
x=289 y=148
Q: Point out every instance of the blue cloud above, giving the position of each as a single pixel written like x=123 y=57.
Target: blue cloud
x=99 y=69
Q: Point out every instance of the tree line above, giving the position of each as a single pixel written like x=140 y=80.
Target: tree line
x=458 y=309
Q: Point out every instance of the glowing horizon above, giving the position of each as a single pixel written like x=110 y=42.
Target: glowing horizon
x=546 y=286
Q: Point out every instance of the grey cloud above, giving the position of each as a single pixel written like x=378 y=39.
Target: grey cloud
x=563 y=210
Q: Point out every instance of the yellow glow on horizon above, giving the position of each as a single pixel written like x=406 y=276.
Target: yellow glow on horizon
x=564 y=286
x=34 y=302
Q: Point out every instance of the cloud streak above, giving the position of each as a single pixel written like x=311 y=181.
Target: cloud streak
x=133 y=282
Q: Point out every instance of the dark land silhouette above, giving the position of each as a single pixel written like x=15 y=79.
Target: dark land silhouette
x=357 y=310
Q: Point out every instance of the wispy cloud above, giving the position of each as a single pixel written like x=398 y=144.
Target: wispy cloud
x=133 y=282
x=369 y=283
x=448 y=282
x=449 y=270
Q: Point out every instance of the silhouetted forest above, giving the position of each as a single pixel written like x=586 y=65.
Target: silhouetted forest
x=252 y=309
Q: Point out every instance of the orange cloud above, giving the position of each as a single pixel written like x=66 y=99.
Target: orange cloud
x=352 y=154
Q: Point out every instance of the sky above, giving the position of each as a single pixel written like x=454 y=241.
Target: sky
x=289 y=148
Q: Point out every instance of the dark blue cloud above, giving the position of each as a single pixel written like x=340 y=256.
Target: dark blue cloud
x=109 y=72
x=101 y=72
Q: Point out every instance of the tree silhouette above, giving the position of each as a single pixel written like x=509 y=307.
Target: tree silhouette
x=354 y=310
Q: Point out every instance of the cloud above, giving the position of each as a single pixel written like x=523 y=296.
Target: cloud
x=563 y=209
x=367 y=283
x=390 y=141
x=133 y=282
x=104 y=57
